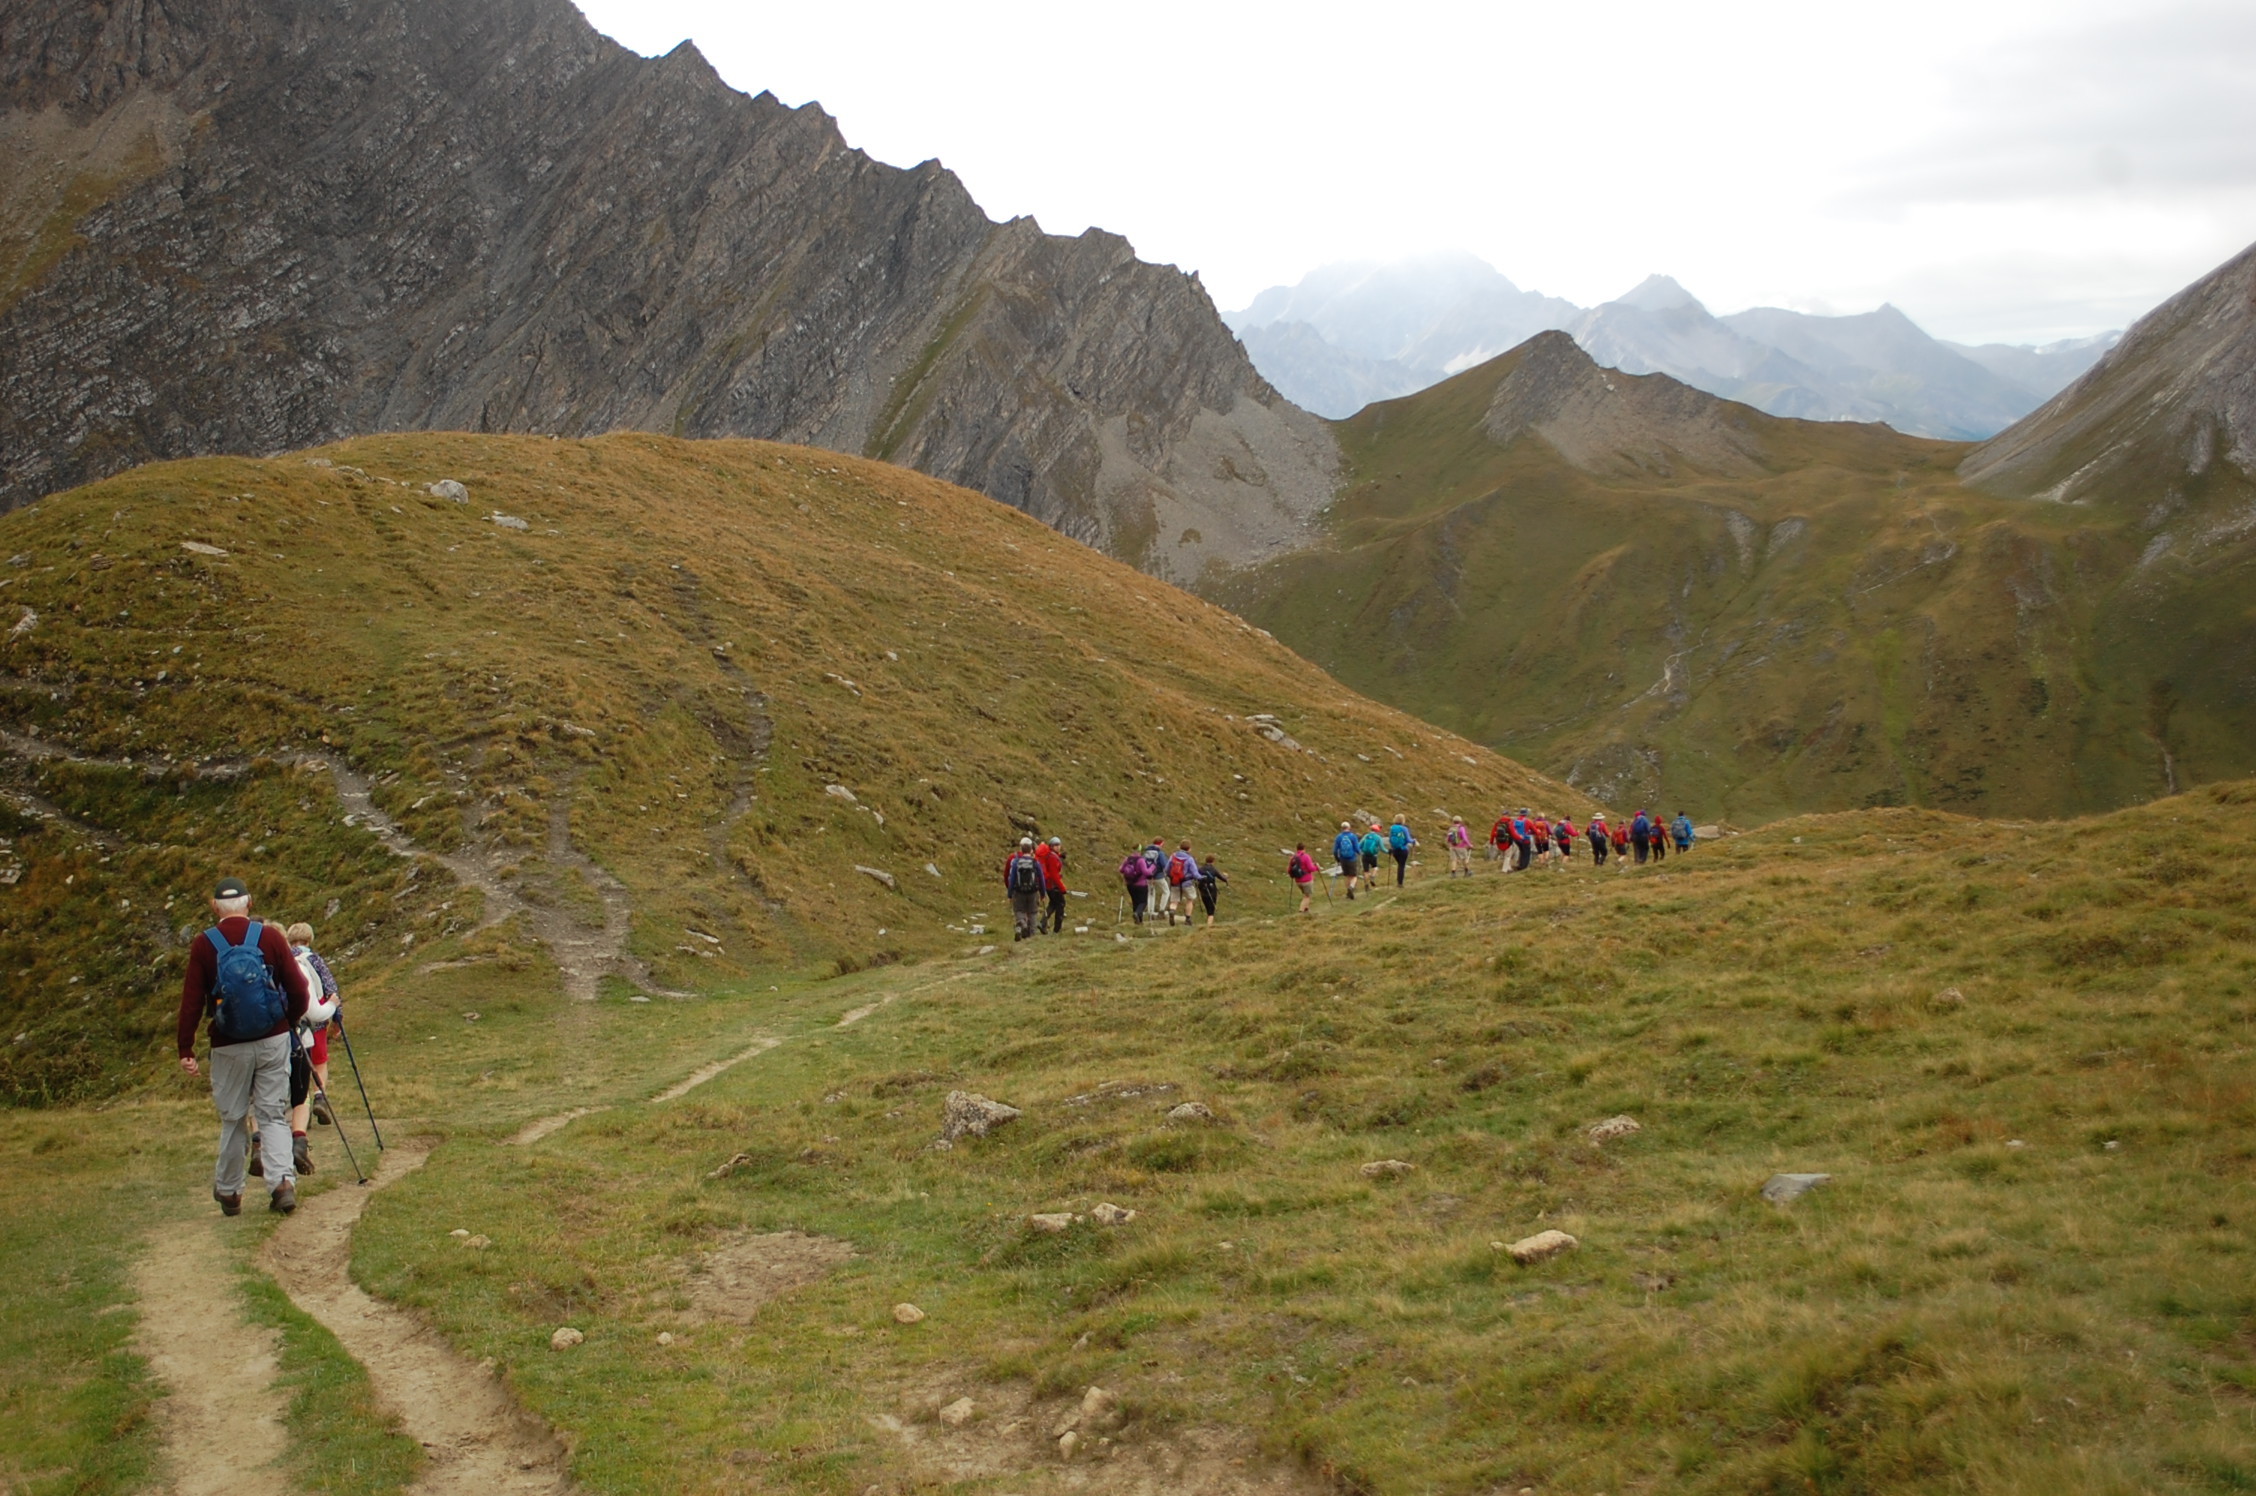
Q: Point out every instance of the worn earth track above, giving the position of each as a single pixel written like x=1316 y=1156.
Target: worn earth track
x=221 y=1422
x=477 y=1440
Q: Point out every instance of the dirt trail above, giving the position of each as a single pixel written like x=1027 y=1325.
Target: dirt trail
x=476 y=1438
x=221 y=1416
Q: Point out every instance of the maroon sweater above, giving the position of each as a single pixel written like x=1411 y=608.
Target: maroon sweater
x=203 y=972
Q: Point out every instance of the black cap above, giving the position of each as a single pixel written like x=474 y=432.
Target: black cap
x=231 y=888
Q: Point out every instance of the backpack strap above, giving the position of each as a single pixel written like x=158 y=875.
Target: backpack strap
x=251 y=935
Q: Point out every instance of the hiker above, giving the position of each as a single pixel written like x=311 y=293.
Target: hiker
x=1302 y=870
x=243 y=976
x=1640 y=835
x=1660 y=841
x=1372 y=842
x=1155 y=877
x=1621 y=848
x=1399 y=842
x=1183 y=877
x=1051 y=854
x=1210 y=881
x=1460 y=840
x=1500 y=841
x=1523 y=842
x=1681 y=828
x=1022 y=880
x=1563 y=837
x=309 y=1061
x=1347 y=849
x=1600 y=839
x=1137 y=875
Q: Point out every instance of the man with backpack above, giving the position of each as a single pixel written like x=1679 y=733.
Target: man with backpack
x=1600 y=840
x=1302 y=870
x=243 y=977
x=1640 y=835
x=1347 y=847
x=1399 y=842
x=1137 y=876
x=1051 y=855
x=1681 y=829
x=1155 y=878
x=1022 y=880
x=1183 y=880
x=1460 y=839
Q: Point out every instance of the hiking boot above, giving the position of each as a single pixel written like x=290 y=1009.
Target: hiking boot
x=301 y=1154
x=285 y=1198
x=321 y=1112
x=229 y=1205
x=256 y=1168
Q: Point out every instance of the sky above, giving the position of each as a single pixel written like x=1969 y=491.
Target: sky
x=2002 y=170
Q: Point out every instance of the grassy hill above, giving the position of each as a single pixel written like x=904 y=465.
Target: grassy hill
x=636 y=712
x=1661 y=596
x=2021 y=1052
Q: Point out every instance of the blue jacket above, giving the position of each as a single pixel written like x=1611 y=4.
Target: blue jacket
x=1640 y=829
x=1345 y=847
x=1398 y=837
x=1683 y=830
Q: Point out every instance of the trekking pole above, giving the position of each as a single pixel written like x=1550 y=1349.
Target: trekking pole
x=351 y=1060
x=297 y=1052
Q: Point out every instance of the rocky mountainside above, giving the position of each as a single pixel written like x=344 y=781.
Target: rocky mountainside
x=246 y=225
x=2164 y=423
x=1656 y=594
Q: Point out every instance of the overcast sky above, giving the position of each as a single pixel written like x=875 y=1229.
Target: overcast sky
x=2000 y=169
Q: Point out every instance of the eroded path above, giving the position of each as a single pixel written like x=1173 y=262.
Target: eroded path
x=475 y=1436
x=221 y=1418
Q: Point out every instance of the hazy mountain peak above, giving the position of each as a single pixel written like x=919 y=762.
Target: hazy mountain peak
x=1659 y=293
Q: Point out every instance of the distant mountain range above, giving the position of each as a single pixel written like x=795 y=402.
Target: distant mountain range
x=1660 y=595
x=1347 y=335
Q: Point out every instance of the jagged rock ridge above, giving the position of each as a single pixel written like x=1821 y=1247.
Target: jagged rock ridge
x=247 y=225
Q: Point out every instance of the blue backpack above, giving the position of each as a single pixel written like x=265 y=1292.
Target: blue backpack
x=246 y=1001
x=1398 y=837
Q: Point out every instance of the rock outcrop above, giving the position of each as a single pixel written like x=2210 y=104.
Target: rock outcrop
x=250 y=225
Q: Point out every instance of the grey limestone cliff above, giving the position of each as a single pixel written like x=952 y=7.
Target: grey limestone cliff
x=249 y=225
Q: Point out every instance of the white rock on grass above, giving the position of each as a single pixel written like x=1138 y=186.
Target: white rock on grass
x=447 y=488
x=508 y=521
x=879 y=874
x=1541 y=1247
x=1386 y=1168
x=565 y=1339
x=958 y=1413
x=1097 y=1406
x=840 y=792
x=1050 y=1222
x=1192 y=1111
x=907 y=1314
x=969 y=1114
x=1068 y=1442
x=1612 y=1128
x=1108 y=1214
x=1784 y=1188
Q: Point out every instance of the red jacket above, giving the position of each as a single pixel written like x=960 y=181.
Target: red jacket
x=203 y=970
x=1053 y=867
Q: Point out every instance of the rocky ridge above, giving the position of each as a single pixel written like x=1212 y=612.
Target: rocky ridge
x=246 y=225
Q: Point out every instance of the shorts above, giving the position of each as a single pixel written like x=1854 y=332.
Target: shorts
x=1370 y=862
x=318 y=1050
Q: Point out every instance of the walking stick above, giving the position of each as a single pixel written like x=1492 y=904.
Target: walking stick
x=297 y=1051
x=351 y=1060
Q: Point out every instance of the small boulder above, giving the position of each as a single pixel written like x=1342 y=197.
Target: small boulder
x=199 y=548
x=1541 y=1247
x=957 y=1413
x=907 y=1314
x=1068 y=1442
x=879 y=874
x=460 y=1233
x=1949 y=997
x=968 y=1114
x=1386 y=1168
x=1099 y=1408
x=477 y=1243
x=1784 y=1188
x=1612 y=1128
x=1050 y=1222
x=1108 y=1214
x=508 y=521
x=840 y=792
x=665 y=1337
x=447 y=488
x=1192 y=1111
x=565 y=1339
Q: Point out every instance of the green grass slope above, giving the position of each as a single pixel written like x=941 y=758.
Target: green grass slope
x=1808 y=616
x=621 y=714
x=2020 y=1051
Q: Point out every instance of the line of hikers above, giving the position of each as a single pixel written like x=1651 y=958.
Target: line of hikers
x=1517 y=842
x=1160 y=884
x=271 y=1002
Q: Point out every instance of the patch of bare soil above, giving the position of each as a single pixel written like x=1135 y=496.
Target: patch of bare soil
x=476 y=1438
x=1011 y=1436
x=733 y=1280
x=221 y=1414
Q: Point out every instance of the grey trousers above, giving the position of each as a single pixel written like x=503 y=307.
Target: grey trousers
x=1026 y=908
x=253 y=1078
